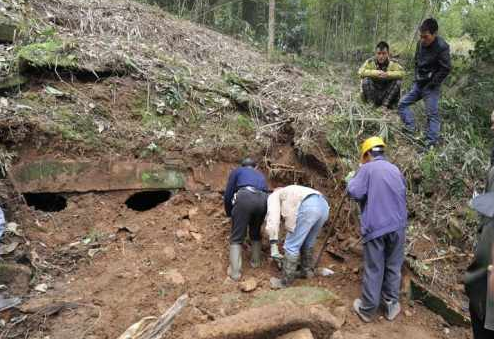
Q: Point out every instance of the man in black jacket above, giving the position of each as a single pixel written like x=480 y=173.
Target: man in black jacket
x=432 y=66
x=479 y=278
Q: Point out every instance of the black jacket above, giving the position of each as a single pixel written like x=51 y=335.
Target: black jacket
x=432 y=63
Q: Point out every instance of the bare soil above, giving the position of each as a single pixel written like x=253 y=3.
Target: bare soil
x=119 y=265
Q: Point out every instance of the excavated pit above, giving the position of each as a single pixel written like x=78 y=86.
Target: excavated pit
x=144 y=201
x=46 y=202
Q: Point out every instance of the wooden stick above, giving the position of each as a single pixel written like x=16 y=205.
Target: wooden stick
x=448 y=256
x=330 y=230
x=158 y=328
x=164 y=322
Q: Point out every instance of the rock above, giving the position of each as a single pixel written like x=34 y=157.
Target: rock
x=449 y=312
x=408 y=313
x=16 y=276
x=41 y=288
x=324 y=272
x=53 y=175
x=182 y=234
x=276 y=318
x=8 y=29
x=337 y=335
x=197 y=236
x=92 y=252
x=340 y=314
x=11 y=82
x=6 y=249
x=169 y=253
x=299 y=295
x=248 y=285
x=193 y=213
x=186 y=224
x=175 y=277
x=300 y=334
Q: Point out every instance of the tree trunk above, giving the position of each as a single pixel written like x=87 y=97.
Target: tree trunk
x=271 y=29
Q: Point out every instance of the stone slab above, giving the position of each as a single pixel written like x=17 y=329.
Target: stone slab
x=85 y=176
x=8 y=29
x=300 y=295
x=438 y=305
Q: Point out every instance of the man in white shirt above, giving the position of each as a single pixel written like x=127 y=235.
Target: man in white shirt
x=304 y=211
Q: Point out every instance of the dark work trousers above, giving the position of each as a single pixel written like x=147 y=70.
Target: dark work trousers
x=479 y=331
x=383 y=258
x=381 y=92
x=248 y=211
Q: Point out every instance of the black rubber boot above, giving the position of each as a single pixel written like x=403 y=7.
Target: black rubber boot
x=307 y=263
x=290 y=263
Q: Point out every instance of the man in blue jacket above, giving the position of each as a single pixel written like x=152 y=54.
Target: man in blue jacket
x=380 y=188
x=432 y=66
x=245 y=202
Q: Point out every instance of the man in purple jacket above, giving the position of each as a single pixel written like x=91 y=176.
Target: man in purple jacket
x=380 y=188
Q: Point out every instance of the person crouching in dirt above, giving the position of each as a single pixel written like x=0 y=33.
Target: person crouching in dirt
x=380 y=188
x=305 y=211
x=245 y=202
x=381 y=78
x=479 y=278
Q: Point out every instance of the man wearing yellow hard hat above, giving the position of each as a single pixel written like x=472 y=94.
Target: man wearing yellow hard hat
x=380 y=188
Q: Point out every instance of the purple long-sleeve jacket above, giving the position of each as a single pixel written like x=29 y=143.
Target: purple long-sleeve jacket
x=380 y=188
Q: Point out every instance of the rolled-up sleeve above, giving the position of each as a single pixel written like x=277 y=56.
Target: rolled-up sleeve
x=358 y=185
x=273 y=216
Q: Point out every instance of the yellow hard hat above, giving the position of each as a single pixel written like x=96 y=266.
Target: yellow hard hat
x=369 y=144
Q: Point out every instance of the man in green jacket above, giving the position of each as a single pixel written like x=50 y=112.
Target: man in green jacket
x=479 y=278
x=381 y=78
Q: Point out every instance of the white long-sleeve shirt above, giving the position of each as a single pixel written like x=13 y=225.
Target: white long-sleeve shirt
x=284 y=202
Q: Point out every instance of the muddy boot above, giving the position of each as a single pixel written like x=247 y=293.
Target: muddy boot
x=5 y=304
x=255 y=259
x=307 y=263
x=290 y=263
x=235 y=268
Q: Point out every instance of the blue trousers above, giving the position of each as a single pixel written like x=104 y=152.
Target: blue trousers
x=383 y=258
x=311 y=216
x=431 y=100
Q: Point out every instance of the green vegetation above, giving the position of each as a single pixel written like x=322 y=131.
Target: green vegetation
x=49 y=54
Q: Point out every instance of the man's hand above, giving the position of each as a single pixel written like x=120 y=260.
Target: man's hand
x=276 y=255
x=382 y=75
x=349 y=176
